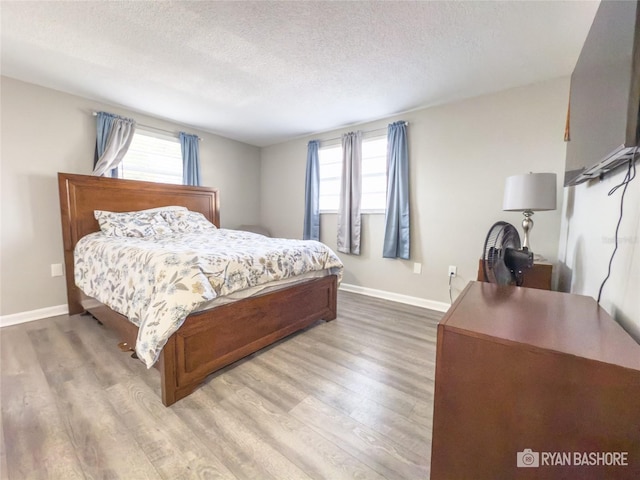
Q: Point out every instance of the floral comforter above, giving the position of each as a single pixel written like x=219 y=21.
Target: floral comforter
x=157 y=281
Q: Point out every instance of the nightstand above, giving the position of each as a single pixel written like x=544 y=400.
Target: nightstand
x=538 y=277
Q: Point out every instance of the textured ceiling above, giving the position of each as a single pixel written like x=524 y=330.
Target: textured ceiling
x=264 y=72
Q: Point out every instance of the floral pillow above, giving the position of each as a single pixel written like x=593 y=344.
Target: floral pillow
x=132 y=224
x=188 y=222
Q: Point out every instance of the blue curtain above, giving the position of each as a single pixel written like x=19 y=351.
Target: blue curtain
x=396 y=231
x=105 y=123
x=190 y=159
x=312 y=193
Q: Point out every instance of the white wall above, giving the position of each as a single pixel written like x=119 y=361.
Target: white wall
x=44 y=132
x=460 y=155
x=587 y=241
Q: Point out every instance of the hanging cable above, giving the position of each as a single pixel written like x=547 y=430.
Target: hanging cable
x=630 y=175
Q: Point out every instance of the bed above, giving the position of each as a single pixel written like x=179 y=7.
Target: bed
x=207 y=340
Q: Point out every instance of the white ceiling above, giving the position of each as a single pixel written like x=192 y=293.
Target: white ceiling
x=268 y=71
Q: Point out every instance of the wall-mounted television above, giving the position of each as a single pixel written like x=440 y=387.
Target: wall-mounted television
x=605 y=94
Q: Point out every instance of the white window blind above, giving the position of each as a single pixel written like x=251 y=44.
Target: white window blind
x=374 y=176
x=152 y=158
x=330 y=160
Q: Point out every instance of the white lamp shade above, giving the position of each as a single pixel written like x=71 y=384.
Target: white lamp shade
x=531 y=191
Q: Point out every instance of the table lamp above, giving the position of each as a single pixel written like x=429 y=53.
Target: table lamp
x=528 y=193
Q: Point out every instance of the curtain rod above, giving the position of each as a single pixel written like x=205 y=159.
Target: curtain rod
x=382 y=129
x=173 y=134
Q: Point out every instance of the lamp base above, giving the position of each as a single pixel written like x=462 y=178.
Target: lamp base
x=527 y=226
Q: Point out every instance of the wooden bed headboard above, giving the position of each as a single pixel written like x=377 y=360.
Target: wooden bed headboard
x=80 y=195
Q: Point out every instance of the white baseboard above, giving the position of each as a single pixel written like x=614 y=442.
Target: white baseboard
x=30 y=316
x=396 y=297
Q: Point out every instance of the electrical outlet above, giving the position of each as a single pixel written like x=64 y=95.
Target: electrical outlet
x=453 y=270
x=417 y=268
x=56 y=270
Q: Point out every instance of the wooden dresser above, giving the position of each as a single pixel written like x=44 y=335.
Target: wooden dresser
x=520 y=368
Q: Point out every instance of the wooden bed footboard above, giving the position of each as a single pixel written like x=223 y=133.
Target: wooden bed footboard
x=213 y=339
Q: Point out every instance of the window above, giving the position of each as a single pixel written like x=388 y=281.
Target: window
x=153 y=158
x=374 y=176
x=330 y=160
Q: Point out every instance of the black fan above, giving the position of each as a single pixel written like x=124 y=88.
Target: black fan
x=503 y=261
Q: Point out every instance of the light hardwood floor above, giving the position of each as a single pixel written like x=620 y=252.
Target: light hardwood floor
x=348 y=399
